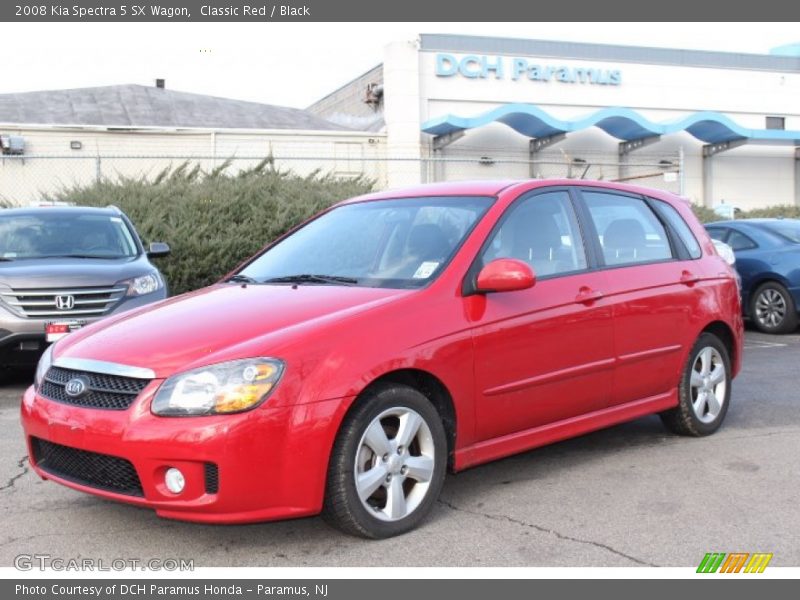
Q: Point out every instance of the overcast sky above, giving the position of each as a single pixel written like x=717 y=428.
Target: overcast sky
x=295 y=64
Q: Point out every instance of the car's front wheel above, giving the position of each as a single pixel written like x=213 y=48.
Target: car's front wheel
x=704 y=391
x=772 y=309
x=388 y=464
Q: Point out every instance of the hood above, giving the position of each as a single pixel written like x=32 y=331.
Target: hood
x=70 y=272
x=190 y=330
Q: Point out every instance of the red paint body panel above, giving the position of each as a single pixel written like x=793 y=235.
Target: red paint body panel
x=539 y=356
x=523 y=368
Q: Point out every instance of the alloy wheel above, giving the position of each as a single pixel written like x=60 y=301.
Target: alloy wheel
x=394 y=464
x=770 y=308
x=708 y=384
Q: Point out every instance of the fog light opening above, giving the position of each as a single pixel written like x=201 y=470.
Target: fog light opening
x=174 y=480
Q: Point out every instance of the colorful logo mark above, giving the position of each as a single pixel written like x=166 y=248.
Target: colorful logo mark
x=736 y=562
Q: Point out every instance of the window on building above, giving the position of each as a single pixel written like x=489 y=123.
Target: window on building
x=776 y=123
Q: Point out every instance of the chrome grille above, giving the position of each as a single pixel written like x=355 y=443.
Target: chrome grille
x=43 y=303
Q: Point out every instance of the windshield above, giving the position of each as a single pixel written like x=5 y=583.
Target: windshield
x=59 y=234
x=789 y=230
x=388 y=243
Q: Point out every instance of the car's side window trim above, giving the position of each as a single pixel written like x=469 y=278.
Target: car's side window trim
x=595 y=239
x=469 y=285
x=594 y=253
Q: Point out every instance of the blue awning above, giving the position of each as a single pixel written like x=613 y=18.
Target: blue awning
x=622 y=123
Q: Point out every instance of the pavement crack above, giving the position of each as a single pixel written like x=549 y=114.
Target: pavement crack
x=89 y=534
x=21 y=464
x=547 y=530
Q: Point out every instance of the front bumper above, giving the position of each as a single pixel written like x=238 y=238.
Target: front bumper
x=271 y=462
x=21 y=349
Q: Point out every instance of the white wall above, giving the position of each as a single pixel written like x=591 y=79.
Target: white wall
x=402 y=112
x=49 y=164
x=748 y=176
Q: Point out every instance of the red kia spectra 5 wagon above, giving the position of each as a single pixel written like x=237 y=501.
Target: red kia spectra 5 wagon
x=353 y=361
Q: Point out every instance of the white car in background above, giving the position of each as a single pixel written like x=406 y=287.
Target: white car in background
x=726 y=252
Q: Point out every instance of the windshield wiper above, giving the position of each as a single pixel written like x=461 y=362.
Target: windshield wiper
x=312 y=278
x=240 y=278
x=5 y=259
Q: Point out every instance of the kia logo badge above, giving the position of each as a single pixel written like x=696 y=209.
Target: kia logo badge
x=65 y=302
x=75 y=387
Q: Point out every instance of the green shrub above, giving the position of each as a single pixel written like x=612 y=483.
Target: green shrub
x=213 y=221
x=706 y=215
x=787 y=212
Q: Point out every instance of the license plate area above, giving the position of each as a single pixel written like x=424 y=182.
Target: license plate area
x=55 y=330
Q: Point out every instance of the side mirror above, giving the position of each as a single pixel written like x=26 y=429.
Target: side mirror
x=505 y=275
x=158 y=249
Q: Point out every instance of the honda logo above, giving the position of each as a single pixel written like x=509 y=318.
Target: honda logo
x=65 y=302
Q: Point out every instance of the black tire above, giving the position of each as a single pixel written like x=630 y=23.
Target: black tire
x=684 y=418
x=343 y=508
x=772 y=309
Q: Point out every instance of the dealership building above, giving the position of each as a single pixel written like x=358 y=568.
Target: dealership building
x=716 y=127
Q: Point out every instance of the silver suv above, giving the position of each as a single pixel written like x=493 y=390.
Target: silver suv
x=63 y=267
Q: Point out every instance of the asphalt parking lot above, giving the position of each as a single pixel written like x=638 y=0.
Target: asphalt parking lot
x=633 y=495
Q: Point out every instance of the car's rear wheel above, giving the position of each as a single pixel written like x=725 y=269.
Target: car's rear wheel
x=704 y=391
x=772 y=309
x=388 y=464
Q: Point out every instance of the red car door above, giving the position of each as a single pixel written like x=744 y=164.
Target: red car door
x=543 y=354
x=652 y=285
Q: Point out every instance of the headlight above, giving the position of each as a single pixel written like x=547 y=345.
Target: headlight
x=225 y=388
x=43 y=366
x=146 y=284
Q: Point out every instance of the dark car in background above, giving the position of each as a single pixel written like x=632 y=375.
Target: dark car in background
x=768 y=261
x=62 y=267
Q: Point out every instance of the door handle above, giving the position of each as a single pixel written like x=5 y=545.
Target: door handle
x=688 y=278
x=587 y=296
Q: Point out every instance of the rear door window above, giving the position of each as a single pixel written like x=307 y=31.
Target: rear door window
x=628 y=231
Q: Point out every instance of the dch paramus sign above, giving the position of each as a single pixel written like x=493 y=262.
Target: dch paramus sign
x=475 y=66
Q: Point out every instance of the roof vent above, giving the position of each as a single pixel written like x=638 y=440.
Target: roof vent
x=374 y=94
x=161 y=83
x=12 y=144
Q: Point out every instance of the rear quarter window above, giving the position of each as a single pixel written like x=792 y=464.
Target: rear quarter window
x=681 y=228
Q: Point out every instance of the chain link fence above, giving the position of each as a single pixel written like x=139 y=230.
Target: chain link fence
x=663 y=172
x=32 y=179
